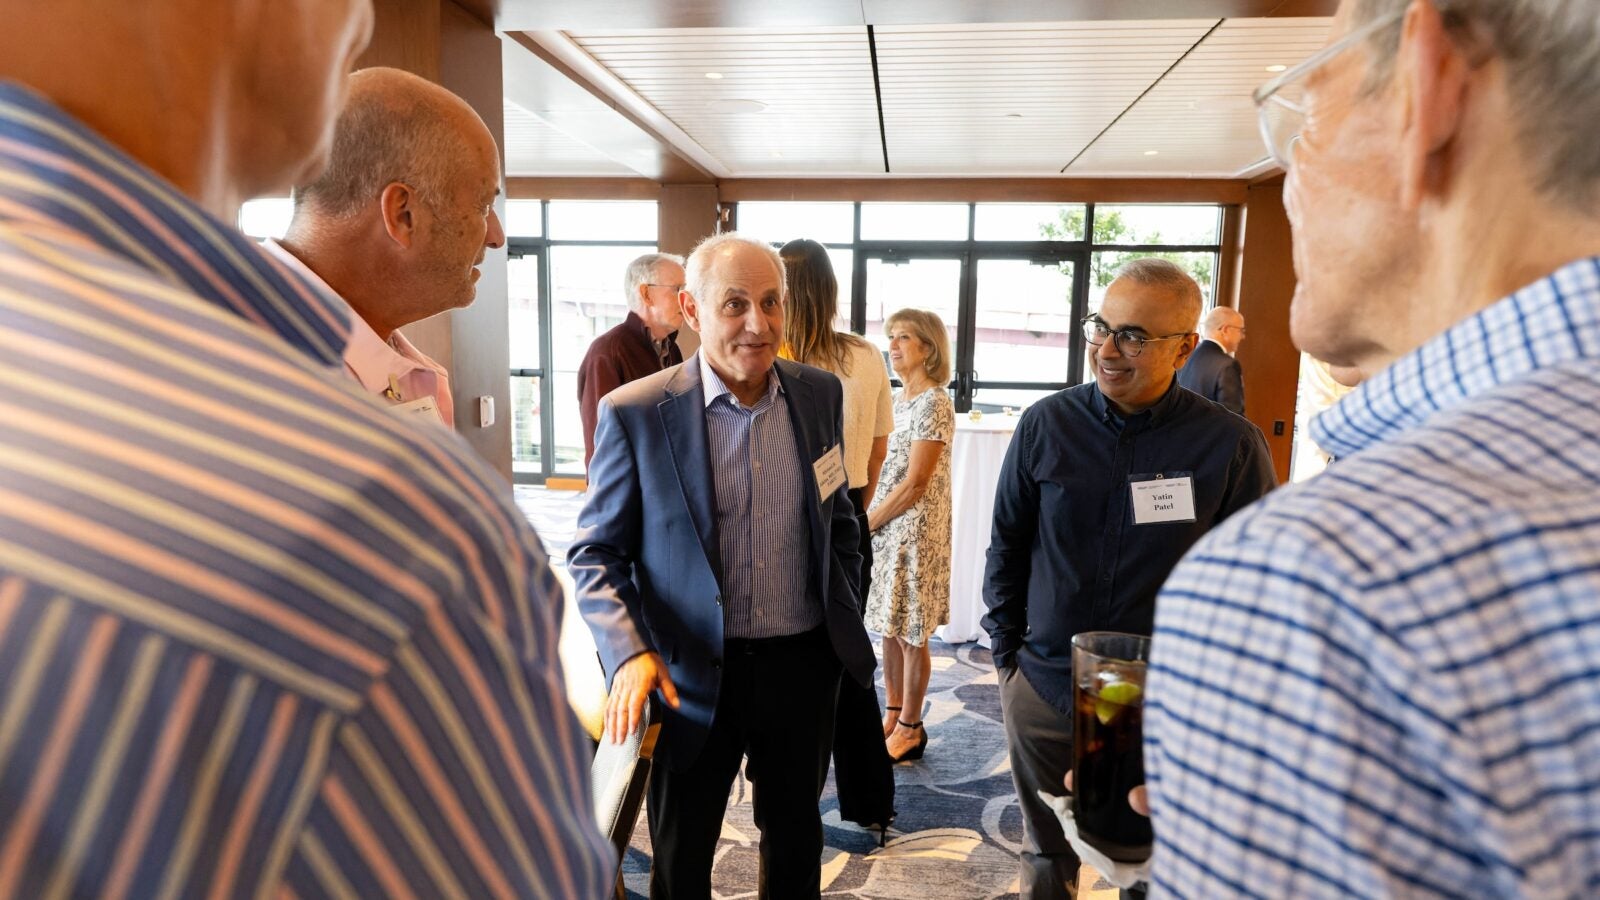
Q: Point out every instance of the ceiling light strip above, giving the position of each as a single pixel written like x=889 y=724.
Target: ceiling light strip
x=1142 y=94
x=877 y=91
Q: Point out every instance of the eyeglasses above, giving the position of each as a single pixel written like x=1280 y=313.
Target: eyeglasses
x=1127 y=343
x=676 y=288
x=1280 y=103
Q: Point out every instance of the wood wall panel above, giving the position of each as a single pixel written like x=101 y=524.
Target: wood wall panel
x=405 y=36
x=1268 y=357
x=469 y=65
x=582 y=189
x=1002 y=190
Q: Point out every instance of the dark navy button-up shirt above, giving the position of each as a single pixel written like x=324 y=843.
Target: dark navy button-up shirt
x=1066 y=555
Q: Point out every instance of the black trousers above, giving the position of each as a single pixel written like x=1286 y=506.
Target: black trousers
x=863 y=774
x=777 y=707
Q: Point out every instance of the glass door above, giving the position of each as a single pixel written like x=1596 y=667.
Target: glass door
x=1025 y=330
x=530 y=382
x=895 y=280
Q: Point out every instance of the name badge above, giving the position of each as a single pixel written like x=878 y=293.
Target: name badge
x=1163 y=500
x=829 y=469
x=422 y=407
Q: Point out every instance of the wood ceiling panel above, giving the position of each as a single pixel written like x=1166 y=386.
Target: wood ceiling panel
x=1015 y=100
x=595 y=15
x=1200 y=119
x=819 y=116
x=533 y=147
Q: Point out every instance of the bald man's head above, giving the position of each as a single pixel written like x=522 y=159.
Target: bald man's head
x=395 y=127
x=1225 y=326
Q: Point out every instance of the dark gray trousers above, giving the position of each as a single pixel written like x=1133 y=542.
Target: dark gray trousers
x=1040 y=741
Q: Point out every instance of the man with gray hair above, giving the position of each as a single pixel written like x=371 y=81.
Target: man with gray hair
x=642 y=344
x=1103 y=488
x=1211 y=371
x=1383 y=682
x=716 y=562
x=397 y=226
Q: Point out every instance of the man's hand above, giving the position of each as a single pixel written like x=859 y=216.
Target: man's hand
x=1137 y=798
x=630 y=691
x=1124 y=875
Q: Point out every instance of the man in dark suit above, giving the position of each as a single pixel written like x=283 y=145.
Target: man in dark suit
x=716 y=562
x=1212 y=372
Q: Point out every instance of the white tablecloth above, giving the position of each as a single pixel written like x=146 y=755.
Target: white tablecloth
x=975 y=457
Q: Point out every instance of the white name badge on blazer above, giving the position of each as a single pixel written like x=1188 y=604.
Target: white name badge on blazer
x=1160 y=499
x=829 y=469
x=422 y=407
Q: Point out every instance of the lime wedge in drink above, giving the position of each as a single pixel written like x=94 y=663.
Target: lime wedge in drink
x=1113 y=697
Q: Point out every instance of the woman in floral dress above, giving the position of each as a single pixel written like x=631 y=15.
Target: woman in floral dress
x=910 y=524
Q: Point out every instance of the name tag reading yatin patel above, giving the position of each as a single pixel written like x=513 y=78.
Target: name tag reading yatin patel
x=829 y=469
x=1159 y=499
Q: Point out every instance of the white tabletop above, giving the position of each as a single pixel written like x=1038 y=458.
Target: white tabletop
x=976 y=454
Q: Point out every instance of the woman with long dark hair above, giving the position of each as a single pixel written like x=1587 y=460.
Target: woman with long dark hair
x=860 y=762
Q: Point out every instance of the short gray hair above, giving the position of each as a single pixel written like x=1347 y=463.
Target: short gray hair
x=697 y=269
x=1551 y=51
x=643 y=271
x=1154 y=271
x=394 y=127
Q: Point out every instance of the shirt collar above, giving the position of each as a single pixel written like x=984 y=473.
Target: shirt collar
x=1553 y=321
x=60 y=171
x=714 y=387
x=369 y=357
x=1157 y=412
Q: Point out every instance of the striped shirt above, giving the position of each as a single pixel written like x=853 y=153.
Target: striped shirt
x=257 y=635
x=762 y=531
x=1385 y=682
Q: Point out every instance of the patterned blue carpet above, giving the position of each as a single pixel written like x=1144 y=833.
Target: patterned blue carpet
x=958 y=831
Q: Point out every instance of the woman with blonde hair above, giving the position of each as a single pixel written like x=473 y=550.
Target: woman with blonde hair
x=861 y=769
x=910 y=524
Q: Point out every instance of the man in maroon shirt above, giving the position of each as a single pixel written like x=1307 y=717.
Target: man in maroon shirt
x=644 y=343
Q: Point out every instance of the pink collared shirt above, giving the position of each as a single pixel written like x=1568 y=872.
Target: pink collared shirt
x=394 y=369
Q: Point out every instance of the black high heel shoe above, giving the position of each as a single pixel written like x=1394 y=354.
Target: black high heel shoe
x=917 y=749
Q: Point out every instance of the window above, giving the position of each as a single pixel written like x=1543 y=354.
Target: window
x=914 y=221
x=266 y=217
x=1012 y=281
x=567 y=262
x=779 y=223
x=1029 y=222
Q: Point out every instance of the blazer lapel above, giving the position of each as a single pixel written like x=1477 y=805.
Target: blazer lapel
x=683 y=418
x=810 y=441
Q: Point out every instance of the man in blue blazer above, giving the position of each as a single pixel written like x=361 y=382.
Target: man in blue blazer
x=716 y=562
x=1211 y=371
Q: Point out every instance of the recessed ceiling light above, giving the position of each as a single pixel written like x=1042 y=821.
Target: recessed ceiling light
x=714 y=76
x=777 y=154
x=736 y=105
x=1151 y=152
x=1276 y=68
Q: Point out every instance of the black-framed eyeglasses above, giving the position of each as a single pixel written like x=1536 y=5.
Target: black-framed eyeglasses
x=676 y=288
x=1129 y=344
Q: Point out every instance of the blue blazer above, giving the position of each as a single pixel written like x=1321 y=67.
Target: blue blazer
x=645 y=561
x=1214 y=375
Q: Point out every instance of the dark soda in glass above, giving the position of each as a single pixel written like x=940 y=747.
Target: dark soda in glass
x=1107 y=742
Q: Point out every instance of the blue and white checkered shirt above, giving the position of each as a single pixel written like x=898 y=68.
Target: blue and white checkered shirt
x=1386 y=681
x=762 y=530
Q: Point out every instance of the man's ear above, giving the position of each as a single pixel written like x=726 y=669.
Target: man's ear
x=691 y=310
x=398 y=203
x=1432 y=74
x=1185 y=347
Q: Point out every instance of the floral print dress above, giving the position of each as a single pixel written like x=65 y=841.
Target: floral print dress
x=910 y=594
